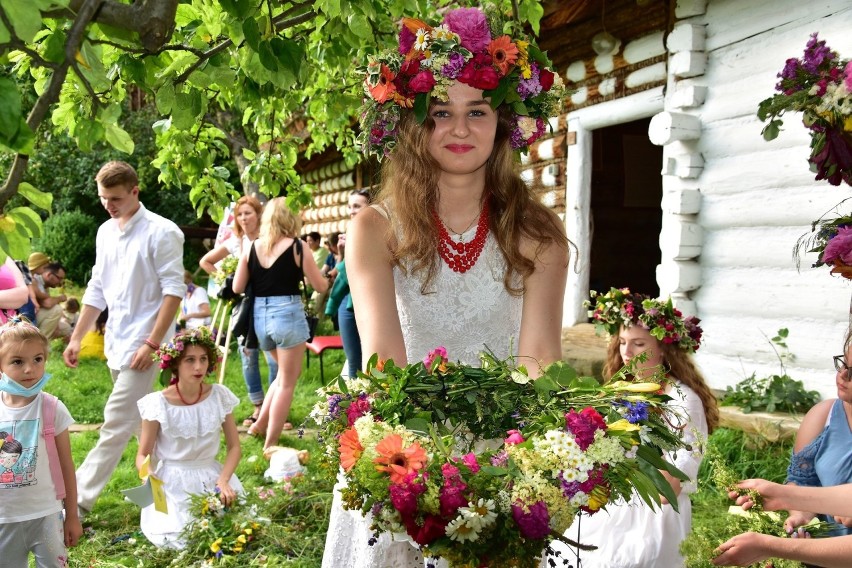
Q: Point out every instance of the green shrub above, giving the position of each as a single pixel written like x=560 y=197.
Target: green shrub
x=776 y=393
x=69 y=237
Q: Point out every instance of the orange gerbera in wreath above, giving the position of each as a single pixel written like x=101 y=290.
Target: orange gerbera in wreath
x=397 y=460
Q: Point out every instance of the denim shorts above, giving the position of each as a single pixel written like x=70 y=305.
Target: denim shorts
x=279 y=322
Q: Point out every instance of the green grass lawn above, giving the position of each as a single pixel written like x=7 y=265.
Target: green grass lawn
x=294 y=538
x=298 y=517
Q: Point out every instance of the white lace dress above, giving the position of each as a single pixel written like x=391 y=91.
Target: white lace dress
x=185 y=454
x=465 y=313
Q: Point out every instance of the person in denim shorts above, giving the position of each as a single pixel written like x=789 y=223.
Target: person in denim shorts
x=273 y=266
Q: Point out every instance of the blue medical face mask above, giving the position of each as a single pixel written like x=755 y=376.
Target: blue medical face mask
x=8 y=385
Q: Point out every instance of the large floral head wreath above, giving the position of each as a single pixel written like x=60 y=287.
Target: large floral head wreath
x=170 y=352
x=619 y=307
x=471 y=47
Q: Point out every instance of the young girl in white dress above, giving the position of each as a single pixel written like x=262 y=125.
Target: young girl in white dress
x=632 y=535
x=181 y=427
x=457 y=252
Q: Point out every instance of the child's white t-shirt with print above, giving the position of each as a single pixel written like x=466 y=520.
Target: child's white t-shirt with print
x=26 y=486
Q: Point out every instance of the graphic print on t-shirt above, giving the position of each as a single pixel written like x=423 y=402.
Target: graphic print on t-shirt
x=18 y=451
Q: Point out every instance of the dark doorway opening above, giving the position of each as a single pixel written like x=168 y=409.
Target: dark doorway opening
x=627 y=189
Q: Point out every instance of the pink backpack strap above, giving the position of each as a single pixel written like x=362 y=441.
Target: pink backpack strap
x=48 y=416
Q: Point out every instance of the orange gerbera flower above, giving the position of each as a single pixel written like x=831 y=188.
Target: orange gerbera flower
x=385 y=87
x=350 y=449
x=503 y=52
x=399 y=461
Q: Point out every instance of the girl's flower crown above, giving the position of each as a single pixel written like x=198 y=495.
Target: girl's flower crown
x=471 y=47
x=171 y=351
x=663 y=321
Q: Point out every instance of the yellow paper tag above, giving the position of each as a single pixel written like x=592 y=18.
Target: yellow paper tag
x=143 y=471
x=159 y=494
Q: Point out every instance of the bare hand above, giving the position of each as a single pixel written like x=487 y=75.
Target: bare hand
x=226 y=493
x=772 y=494
x=73 y=529
x=71 y=353
x=141 y=358
x=744 y=549
x=795 y=521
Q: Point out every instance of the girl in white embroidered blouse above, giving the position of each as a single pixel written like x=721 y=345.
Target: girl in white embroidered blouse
x=181 y=427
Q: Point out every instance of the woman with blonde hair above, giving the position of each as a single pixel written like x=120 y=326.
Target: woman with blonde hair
x=273 y=266
x=246 y=227
x=650 y=336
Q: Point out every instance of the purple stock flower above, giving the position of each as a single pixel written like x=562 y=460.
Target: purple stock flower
x=530 y=87
x=452 y=69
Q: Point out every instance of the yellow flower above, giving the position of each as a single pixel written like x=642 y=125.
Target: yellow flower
x=247 y=531
x=623 y=425
x=598 y=497
x=216 y=546
x=847 y=124
x=241 y=538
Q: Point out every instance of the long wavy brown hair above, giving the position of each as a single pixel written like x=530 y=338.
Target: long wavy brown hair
x=679 y=364
x=409 y=189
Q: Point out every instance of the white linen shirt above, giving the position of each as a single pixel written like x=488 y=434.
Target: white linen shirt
x=134 y=270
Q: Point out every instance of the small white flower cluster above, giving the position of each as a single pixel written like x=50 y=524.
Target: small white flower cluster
x=836 y=99
x=471 y=520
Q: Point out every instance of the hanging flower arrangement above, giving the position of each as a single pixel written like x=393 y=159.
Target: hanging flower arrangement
x=819 y=85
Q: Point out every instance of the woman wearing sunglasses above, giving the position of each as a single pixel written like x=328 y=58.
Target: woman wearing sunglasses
x=822 y=455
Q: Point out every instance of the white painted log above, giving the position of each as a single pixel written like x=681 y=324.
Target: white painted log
x=754 y=247
x=794 y=207
x=684 y=166
x=680 y=238
x=549 y=175
x=759 y=170
x=607 y=86
x=577 y=215
x=545 y=149
x=576 y=71
x=604 y=64
x=651 y=74
x=689 y=8
x=684 y=304
x=676 y=276
x=639 y=105
x=688 y=64
x=766 y=19
x=580 y=95
x=686 y=37
x=687 y=94
x=666 y=127
x=682 y=201
x=643 y=48
x=733 y=293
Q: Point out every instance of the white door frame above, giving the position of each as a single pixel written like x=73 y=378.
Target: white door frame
x=578 y=186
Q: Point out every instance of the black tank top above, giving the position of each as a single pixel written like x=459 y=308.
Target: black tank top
x=280 y=279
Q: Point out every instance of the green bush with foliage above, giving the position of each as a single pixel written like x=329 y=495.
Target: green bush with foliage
x=69 y=237
x=776 y=393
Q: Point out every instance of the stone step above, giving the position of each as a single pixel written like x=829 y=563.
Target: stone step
x=583 y=349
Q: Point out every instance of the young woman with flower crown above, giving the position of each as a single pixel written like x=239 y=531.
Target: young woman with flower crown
x=181 y=425
x=456 y=252
x=637 y=325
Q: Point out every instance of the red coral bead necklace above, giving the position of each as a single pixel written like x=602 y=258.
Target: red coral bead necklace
x=180 y=396
x=461 y=256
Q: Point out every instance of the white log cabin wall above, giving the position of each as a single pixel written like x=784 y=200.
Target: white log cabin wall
x=735 y=205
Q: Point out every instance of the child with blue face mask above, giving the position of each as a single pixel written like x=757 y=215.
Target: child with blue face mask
x=35 y=472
